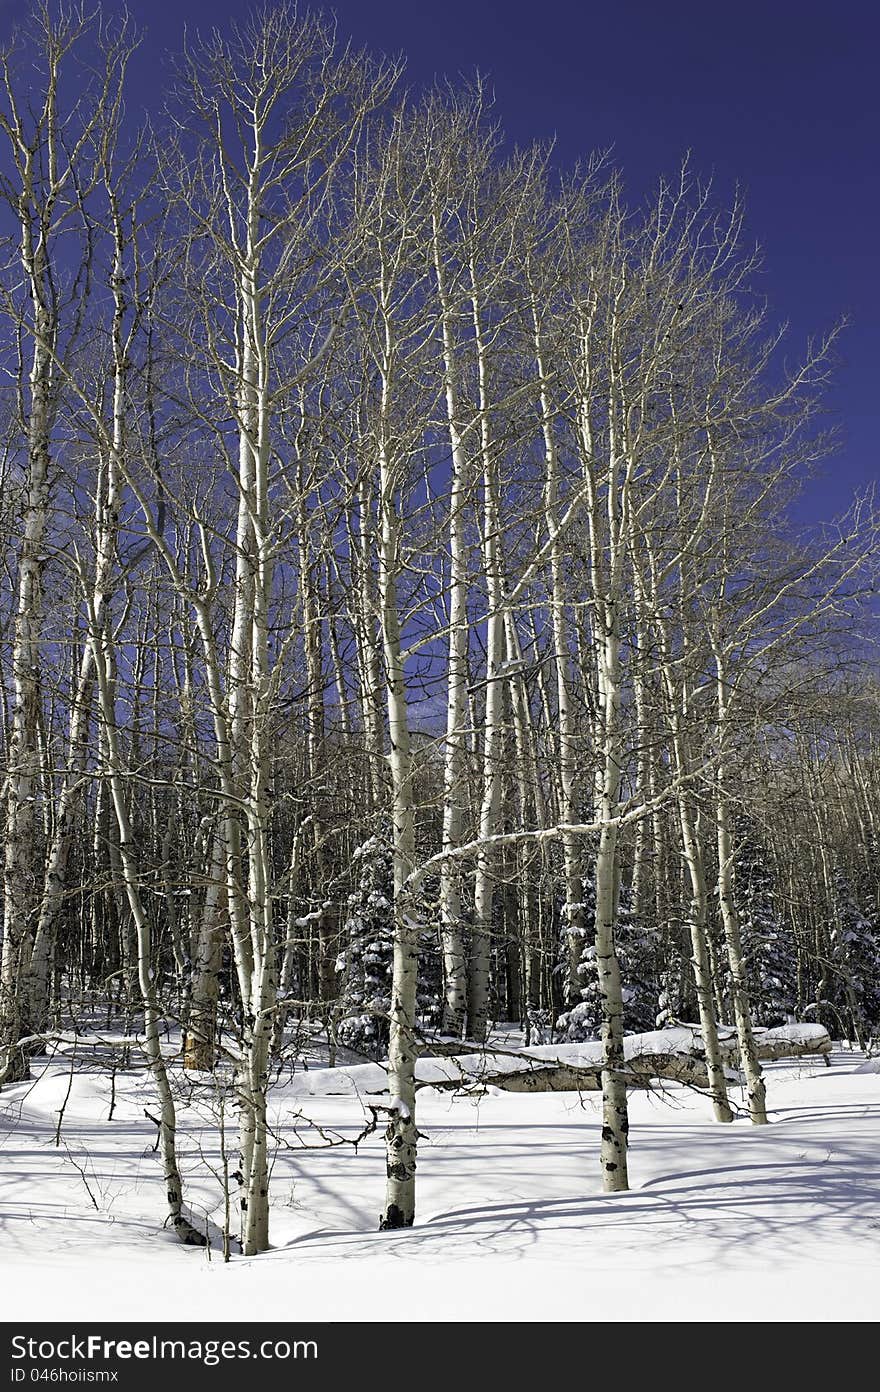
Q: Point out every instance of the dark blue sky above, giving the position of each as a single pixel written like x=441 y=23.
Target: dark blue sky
x=780 y=95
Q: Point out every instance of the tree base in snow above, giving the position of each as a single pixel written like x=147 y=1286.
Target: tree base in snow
x=394 y=1218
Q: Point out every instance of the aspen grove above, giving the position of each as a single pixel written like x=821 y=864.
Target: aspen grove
x=404 y=635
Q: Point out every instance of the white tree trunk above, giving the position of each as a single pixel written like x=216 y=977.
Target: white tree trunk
x=490 y=807
x=574 y=908
x=698 y=927
x=615 y=1116
x=200 y=1043
x=145 y=975
x=22 y=754
x=455 y=749
x=401 y=1135
x=742 y=1013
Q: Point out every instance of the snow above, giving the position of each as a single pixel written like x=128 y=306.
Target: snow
x=871 y=1065
x=314 y=917
x=722 y=1222
x=795 y=1034
x=683 y=1041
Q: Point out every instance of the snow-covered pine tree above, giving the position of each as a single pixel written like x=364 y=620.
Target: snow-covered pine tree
x=854 y=980
x=635 y=950
x=582 y=1019
x=768 y=948
x=674 y=997
x=366 y=959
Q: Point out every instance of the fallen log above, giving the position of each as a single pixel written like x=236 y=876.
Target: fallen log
x=673 y=1055
x=793 y=1041
x=641 y=1073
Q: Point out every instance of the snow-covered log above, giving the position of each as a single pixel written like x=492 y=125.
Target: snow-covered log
x=672 y=1054
x=792 y=1041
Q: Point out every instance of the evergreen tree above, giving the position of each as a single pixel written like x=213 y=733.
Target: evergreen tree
x=675 y=982
x=854 y=981
x=635 y=950
x=366 y=959
x=768 y=949
x=429 y=1000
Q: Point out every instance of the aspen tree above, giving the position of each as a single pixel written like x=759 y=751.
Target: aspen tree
x=389 y=194
x=129 y=878
x=113 y=446
x=542 y=292
x=124 y=330
x=455 y=755
x=278 y=111
x=609 y=478
x=56 y=161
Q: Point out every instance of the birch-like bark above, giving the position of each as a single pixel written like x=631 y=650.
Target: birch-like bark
x=129 y=871
x=366 y=610
x=107 y=504
x=68 y=803
x=103 y=658
x=23 y=755
x=312 y=623
x=751 y=1066
x=485 y=872
x=23 y=765
x=200 y=1042
x=615 y=1115
x=645 y=772
x=260 y=185
x=55 y=172
x=755 y=1086
x=678 y=677
x=693 y=860
x=455 y=748
x=340 y=675
x=574 y=908
x=401 y=1135
x=698 y=928
x=607 y=529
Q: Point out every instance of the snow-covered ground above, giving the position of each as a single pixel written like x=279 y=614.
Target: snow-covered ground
x=722 y=1222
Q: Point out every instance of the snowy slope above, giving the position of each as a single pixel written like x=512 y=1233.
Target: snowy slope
x=781 y=1222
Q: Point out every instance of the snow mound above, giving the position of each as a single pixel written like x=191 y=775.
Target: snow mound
x=871 y=1065
x=681 y=1041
